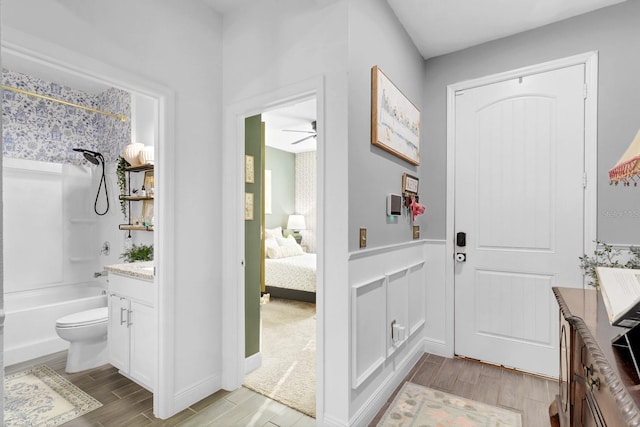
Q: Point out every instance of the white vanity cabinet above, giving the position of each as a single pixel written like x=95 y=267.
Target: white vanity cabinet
x=132 y=328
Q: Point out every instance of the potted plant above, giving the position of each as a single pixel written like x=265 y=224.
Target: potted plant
x=607 y=256
x=138 y=253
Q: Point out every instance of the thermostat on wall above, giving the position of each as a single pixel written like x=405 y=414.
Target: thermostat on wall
x=394 y=204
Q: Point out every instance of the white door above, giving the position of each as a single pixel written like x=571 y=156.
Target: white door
x=519 y=197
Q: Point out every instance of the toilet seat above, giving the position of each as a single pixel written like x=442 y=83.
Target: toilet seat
x=84 y=318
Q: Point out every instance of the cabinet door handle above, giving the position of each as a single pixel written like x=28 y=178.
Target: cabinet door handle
x=122 y=319
x=129 y=318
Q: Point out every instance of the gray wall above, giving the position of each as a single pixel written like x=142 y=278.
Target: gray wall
x=282 y=166
x=377 y=38
x=614 y=33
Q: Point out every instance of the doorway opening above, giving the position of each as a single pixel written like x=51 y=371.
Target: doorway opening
x=281 y=243
x=148 y=106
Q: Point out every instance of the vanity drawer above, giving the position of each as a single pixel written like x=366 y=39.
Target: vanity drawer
x=136 y=289
x=596 y=388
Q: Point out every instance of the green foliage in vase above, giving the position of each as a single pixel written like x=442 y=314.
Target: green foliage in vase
x=607 y=256
x=138 y=253
x=122 y=183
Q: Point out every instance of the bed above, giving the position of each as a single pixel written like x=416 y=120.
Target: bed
x=289 y=272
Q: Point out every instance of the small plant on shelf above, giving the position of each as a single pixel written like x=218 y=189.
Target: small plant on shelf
x=138 y=253
x=122 y=183
x=607 y=256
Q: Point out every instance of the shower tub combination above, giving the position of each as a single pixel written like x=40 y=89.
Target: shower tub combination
x=30 y=323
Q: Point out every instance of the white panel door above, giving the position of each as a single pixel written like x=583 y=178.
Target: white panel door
x=519 y=190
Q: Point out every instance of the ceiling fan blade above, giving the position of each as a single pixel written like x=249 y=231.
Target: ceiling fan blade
x=303 y=139
x=304 y=131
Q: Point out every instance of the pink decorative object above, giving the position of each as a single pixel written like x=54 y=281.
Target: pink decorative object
x=416 y=208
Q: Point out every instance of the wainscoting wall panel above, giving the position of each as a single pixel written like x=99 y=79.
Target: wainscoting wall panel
x=368 y=317
x=387 y=284
x=397 y=308
x=417 y=291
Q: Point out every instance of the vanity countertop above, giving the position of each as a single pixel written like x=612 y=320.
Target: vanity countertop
x=138 y=270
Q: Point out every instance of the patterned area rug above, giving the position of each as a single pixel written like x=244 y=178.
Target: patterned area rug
x=288 y=371
x=415 y=405
x=40 y=397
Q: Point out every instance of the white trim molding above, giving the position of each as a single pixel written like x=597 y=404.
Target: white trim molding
x=233 y=341
x=17 y=43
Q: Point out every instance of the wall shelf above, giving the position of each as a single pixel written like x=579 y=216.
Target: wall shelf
x=135 y=198
x=147 y=200
x=130 y=227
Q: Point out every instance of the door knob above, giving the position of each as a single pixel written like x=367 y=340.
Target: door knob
x=461 y=257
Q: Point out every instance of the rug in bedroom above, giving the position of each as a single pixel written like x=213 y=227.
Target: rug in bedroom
x=288 y=371
x=39 y=396
x=415 y=405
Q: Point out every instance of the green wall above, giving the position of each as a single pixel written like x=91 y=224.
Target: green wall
x=253 y=146
x=282 y=166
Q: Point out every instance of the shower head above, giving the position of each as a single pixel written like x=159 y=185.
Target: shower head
x=92 y=156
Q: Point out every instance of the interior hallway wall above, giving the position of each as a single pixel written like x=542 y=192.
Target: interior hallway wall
x=274 y=45
x=613 y=32
x=177 y=45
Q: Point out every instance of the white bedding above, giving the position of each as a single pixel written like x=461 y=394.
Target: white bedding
x=295 y=272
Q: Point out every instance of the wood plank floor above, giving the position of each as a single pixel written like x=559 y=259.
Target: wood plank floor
x=127 y=404
x=526 y=394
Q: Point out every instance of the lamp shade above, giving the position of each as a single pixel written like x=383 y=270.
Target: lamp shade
x=629 y=163
x=296 y=222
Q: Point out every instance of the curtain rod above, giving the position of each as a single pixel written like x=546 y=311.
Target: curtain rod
x=71 y=104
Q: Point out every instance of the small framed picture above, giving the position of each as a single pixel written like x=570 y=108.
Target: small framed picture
x=249 y=169
x=248 y=206
x=409 y=184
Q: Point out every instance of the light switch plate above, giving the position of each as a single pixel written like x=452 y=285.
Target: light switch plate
x=416 y=232
x=363 y=238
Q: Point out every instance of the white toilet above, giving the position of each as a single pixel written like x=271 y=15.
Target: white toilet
x=86 y=332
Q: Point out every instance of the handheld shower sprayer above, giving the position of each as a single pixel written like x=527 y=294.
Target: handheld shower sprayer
x=96 y=158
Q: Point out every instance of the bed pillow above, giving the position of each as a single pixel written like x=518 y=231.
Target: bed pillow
x=289 y=241
x=273 y=232
x=270 y=242
x=283 y=251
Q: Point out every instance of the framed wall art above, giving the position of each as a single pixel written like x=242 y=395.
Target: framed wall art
x=249 y=169
x=395 y=121
x=248 y=206
x=410 y=184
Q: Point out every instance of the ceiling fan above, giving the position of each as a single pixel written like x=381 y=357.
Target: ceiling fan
x=313 y=133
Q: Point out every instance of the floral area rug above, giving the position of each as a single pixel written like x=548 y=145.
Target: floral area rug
x=39 y=396
x=415 y=405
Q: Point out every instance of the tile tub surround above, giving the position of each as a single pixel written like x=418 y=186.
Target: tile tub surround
x=138 y=270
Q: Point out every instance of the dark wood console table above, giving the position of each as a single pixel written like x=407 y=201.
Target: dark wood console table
x=598 y=383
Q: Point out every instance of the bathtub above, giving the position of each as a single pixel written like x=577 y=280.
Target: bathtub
x=29 y=327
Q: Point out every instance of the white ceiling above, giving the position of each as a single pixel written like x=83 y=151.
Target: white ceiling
x=297 y=117
x=438 y=27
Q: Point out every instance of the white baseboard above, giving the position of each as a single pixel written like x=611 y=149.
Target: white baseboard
x=34 y=350
x=252 y=362
x=186 y=397
x=437 y=347
x=377 y=400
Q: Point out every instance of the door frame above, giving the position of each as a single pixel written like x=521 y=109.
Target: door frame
x=17 y=43
x=590 y=60
x=233 y=332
